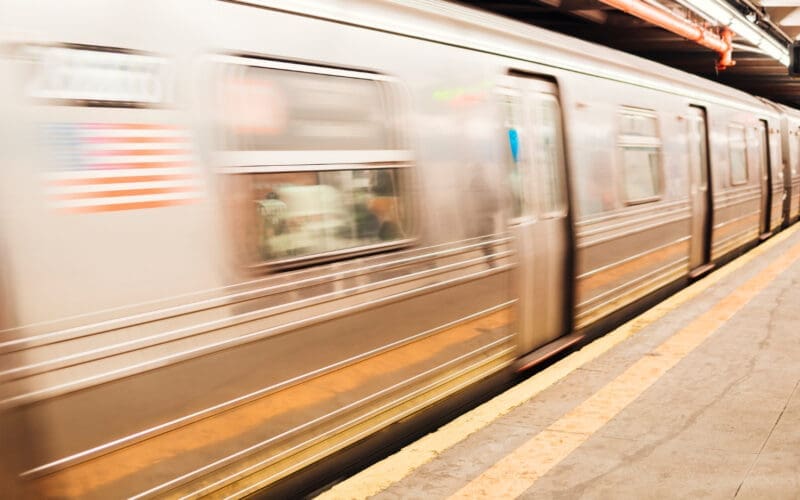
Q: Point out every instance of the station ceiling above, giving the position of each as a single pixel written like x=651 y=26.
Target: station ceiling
x=754 y=71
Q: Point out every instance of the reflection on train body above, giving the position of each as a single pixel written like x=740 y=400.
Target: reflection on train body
x=238 y=237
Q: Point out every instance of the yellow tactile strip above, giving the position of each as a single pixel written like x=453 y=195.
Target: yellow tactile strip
x=383 y=474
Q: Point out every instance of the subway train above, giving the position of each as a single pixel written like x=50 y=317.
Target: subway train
x=239 y=237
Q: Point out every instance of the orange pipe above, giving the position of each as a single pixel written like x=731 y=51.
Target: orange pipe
x=726 y=58
x=673 y=23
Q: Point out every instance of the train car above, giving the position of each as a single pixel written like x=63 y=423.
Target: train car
x=790 y=141
x=237 y=237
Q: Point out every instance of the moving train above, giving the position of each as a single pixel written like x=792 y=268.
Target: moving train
x=237 y=237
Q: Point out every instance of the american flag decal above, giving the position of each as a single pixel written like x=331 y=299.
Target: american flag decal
x=104 y=167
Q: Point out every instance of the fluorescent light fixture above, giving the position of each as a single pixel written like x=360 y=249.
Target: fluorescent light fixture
x=723 y=14
x=746 y=31
x=774 y=50
x=714 y=10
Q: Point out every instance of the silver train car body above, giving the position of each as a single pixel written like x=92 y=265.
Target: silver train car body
x=240 y=236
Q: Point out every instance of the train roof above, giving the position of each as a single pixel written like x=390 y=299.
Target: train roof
x=466 y=27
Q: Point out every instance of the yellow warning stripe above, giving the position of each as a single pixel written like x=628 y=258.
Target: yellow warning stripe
x=383 y=474
x=519 y=470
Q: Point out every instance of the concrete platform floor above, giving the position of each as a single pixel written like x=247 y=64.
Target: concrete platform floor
x=696 y=398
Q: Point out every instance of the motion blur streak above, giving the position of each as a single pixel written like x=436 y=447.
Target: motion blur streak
x=238 y=237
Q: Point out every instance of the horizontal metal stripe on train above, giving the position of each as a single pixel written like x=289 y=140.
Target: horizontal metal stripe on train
x=728 y=203
x=383 y=264
x=478 y=374
x=597 y=313
x=637 y=257
x=513 y=29
x=737 y=220
x=732 y=205
x=380 y=366
x=673 y=270
x=749 y=186
x=140 y=343
x=655 y=273
x=607 y=220
x=64 y=388
x=734 y=242
x=744 y=191
x=738 y=238
x=582 y=244
x=61 y=473
x=324 y=256
x=261 y=393
x=482 y=360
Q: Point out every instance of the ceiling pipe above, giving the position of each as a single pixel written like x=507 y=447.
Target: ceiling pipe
x=726 y=58
x=679 y=26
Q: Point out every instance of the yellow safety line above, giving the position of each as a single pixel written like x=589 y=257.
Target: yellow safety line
x=518 y=471
x=381 y=475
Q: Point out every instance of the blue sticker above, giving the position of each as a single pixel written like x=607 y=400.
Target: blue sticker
x=513 y=141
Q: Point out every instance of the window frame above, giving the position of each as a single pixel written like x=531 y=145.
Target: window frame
x=231 y=164
x=794 y=159
x=746 y=150
x=625 y=141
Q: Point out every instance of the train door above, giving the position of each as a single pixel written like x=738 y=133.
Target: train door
x=699 y=192
x=794 y=175
x=765 y=177
x=540 y=224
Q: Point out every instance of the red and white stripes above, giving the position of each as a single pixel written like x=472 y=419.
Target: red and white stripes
x=109 y=167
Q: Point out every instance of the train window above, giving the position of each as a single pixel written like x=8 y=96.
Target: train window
x=640 y=147
x=519 y=174
x=266 y=108
x=550 y=153
x=795 y=158
x=635 y=123
x=304 y=214
x=737 y=147
x=317 y=173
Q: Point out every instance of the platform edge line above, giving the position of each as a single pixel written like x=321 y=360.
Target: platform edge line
x=394 y=468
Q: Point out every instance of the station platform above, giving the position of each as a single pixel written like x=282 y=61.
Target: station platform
x=696 y=398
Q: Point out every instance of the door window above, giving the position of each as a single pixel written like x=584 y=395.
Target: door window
x=518 y=176
x=737 y=148
x=550 y=157
x=316 y=168
x=640 y=148
x=535 y=154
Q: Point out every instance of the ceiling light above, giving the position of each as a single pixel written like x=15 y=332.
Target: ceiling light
x=742 y=26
